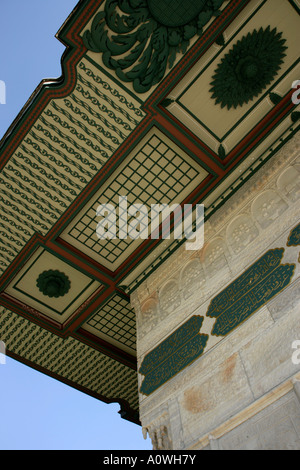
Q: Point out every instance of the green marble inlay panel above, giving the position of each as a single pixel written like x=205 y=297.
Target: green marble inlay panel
x=176 y=352
x=294 y=238
x=259 y=284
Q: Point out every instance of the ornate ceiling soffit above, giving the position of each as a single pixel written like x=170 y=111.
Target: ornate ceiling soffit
x=144 y=40
x=248 y=68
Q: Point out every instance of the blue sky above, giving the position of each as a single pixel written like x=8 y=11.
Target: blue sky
x=38 y=412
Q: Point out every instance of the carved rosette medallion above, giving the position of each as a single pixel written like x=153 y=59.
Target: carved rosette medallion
x=248 y=68
x=53 y=283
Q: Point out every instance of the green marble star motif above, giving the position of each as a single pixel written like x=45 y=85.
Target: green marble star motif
x=140 y=39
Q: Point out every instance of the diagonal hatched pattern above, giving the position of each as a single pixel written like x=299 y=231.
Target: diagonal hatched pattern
x=69 y=359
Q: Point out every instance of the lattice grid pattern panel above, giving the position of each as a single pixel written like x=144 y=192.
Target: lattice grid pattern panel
x=156 y=174
x=116 y=319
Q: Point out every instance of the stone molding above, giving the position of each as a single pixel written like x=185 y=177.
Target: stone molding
x=247 y=413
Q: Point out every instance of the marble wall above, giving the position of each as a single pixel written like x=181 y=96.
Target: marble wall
x=236 y=373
